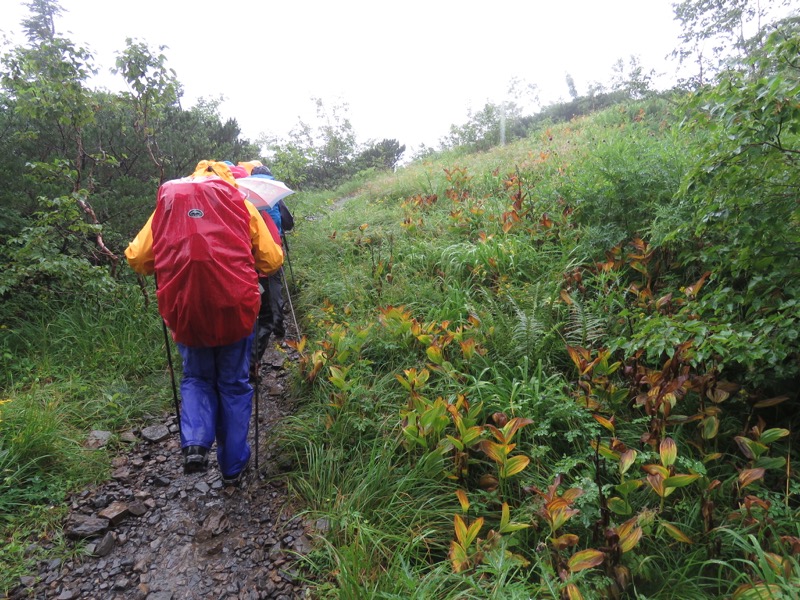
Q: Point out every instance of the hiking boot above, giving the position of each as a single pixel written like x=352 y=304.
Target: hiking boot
x=236 y=480
x=195 y=459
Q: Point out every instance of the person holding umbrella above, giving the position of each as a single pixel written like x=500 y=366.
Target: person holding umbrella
x=270 y=317
x=205 y=243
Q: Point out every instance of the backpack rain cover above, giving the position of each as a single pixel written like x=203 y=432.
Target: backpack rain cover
x=207 y=283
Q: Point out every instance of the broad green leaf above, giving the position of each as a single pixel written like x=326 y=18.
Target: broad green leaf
x=710 y=427
x=619 y=506
x=770 y=435
x=766 y=462
x=750 y=448
x=629 y=486
x=677 y=481
x=456 y=443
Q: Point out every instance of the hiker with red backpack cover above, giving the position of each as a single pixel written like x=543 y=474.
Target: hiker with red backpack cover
x=207 y=245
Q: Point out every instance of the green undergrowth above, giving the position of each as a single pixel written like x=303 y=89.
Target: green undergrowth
x=69 y=368
x=519 y=380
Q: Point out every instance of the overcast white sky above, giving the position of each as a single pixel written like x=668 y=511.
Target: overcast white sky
x=408 y=70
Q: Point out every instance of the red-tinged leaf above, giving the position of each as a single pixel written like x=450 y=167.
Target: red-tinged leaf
x=514 y=465
x=657 y=483
x=607 y=423
x=663 y=300
x=692 y=290
x=656 y=470
x=758 y=591
x=668 y=451
x=677 y=481
x=562 y=542
x=626 y=460
x=713 y=456
x=585 y=559
x=579 y=356
x=775 y=561
x=572 y=494
x=675 y=533
x=630 y=539
x=565 y=297
x=771 y=402
x=573 y=593
x=463 y=500
x=515 y=424
x=750 y=448
x=749 y=476
x=717 y=395
x=493 y=450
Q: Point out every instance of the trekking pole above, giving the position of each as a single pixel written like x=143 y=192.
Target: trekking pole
x=255 y=391
x=288 y=258
x=171 y=368
x=172 y=376
x=291 y=306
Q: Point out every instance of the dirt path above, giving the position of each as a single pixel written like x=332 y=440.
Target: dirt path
x=153 y=533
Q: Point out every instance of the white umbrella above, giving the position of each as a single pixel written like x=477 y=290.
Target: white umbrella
x=263 y=192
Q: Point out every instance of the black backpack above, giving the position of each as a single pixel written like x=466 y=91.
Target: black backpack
x=287 y=220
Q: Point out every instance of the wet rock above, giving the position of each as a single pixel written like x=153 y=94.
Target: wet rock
x=155 y=433
x=105 y=545
x=83 y=527
x=129 y=437
x=115 y=512
x=98 y=439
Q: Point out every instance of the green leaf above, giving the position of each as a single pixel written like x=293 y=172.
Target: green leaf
x=585 y=559
x=677 y=481
x=770 y=435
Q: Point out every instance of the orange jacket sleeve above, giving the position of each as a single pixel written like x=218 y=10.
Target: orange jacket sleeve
x=140 y=251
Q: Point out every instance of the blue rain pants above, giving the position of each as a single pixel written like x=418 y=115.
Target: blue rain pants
x=216 y=401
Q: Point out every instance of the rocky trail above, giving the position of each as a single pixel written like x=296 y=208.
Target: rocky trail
x=153 y=533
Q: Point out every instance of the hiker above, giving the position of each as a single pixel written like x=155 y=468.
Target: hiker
x=205 y=243
x=270 y=317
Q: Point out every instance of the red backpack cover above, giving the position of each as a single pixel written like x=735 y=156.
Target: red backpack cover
x=204 y=265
